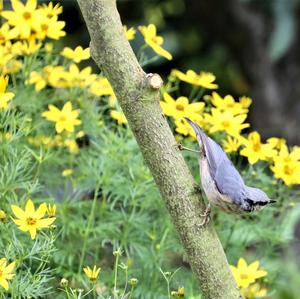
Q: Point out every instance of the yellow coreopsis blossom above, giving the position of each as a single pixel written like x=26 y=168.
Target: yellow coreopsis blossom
x=5 y=97
x=254 y=291
x=50 y=10
x=77 y=55
x=2 y=215
x=118 y=116
x=287 y=165
x=183 y=128
x=227 y=103
x=154 y=41
x=22 y=17
x=255 y=150
x=67 y=172
x=203 y=79
x=245 y=274
x=71 y=145
x=51 y=210
x=30 y=219
x=29 y=47
x=65 y=119
x=48 y=27
x=181 y=107
x=6 y=272
x=6 y=33
x=38 y=79
x=92 y=274
x=130 y=33
x=245 y=101
x=232 y=144
x=80 y=78
x=102 y=87
x=57 y=76
x=277 y=143
x=226 y=121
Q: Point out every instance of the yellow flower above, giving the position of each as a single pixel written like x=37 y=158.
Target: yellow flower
x=5 y=97
x=57 y=76
x=247 y=274
x=37 y=79
x=227 y=103
x=80 y=78
x=287 y=165
x=67 y=172
x=49 y=47
x=65 y=119
x=277 y=143
x=6 y=272
x=130 y=33
x=232 y=144
x=183 y=128
x=30 y=219
x=51 y=210
x=154 y=41
x=48 y=27
x=77 y=55
x=50 y=10
x=101 y=87
x=181 y=107
x=203 y=79
x=6 y=33
x=29 y=47
x=254 y=150
x=226 y=121
x=92 y=274
x=254 y=291
x=118 y=116
x=72 y=146
x=2 y=215
x=245 y=101
x=22 y=17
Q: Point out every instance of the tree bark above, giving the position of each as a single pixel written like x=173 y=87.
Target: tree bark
x=139 y=99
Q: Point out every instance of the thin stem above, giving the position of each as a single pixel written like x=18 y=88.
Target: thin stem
x=131 y=291
x=67 y=291
x=168 y=284
x=193 y=92
x=89 y=225
x=116 y=274
x=151 y=60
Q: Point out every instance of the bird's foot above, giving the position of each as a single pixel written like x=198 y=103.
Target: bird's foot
x=206 y=215
x=182 y=148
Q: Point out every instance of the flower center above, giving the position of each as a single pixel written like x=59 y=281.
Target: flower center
x=62 y=118
x=288 y=170
x=1 y=273
x=256 y=147
x=44 y=27
x=26 y=15
x=31 y=221
x=225 y=123
x=244 y=276
x=179 y=107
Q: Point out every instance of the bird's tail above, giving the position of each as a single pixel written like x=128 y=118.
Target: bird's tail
x=201 y=138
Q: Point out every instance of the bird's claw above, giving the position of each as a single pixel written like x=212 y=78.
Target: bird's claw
x=206 y=216
x=182 y=148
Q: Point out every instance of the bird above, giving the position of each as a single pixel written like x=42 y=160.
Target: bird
x=222 y=183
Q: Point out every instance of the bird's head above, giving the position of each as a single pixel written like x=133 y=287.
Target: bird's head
x=257 y=198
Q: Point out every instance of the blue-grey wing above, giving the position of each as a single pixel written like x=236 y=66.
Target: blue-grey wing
x=229 y=182
x=215 y=155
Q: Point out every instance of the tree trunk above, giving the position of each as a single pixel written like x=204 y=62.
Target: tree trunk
x=139 y=99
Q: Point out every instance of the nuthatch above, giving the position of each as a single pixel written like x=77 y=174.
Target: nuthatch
x=221 y=182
